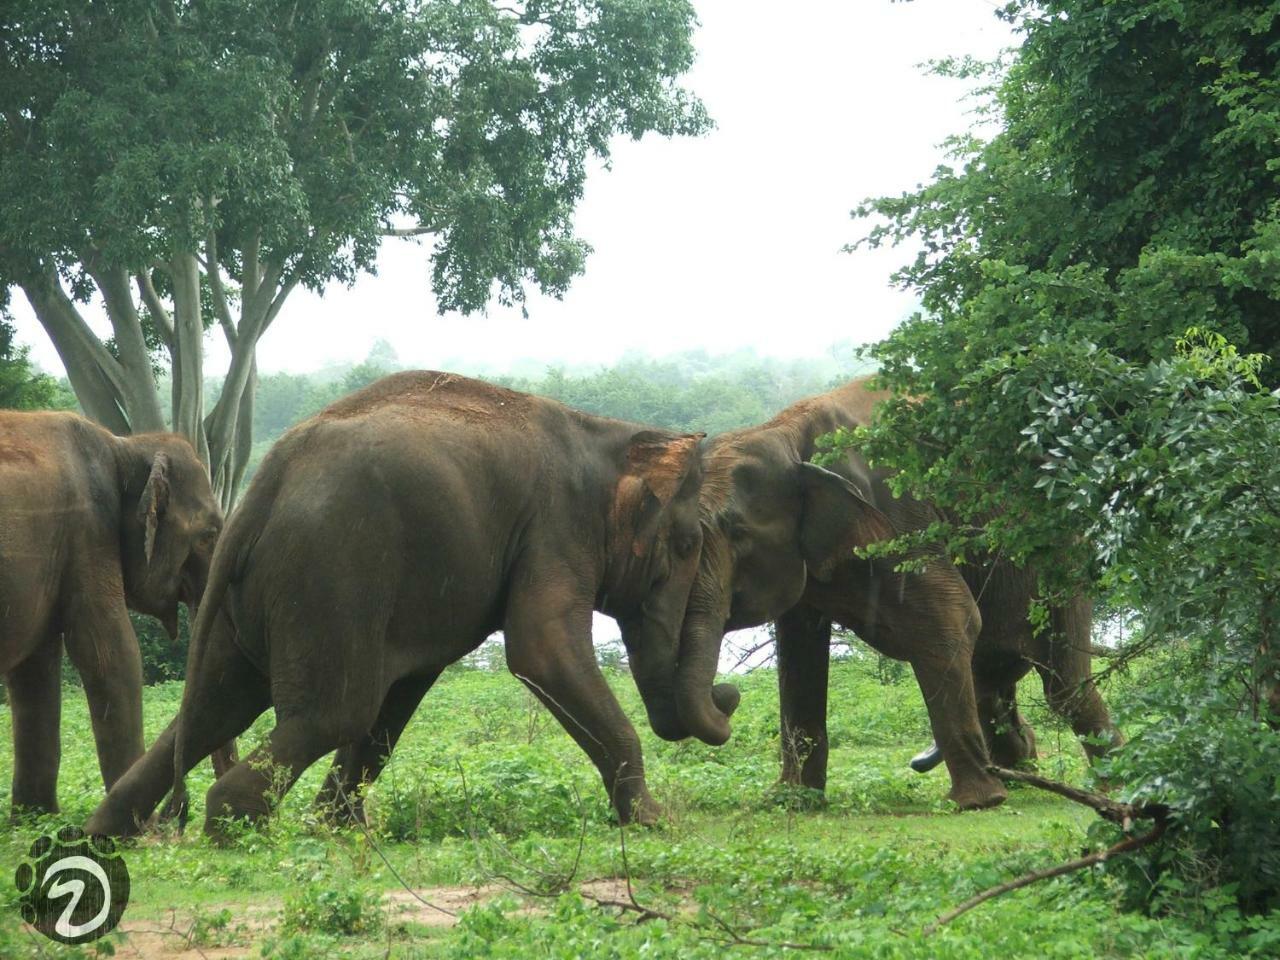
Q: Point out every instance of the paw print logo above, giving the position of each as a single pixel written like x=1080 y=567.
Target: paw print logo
x=73 y=888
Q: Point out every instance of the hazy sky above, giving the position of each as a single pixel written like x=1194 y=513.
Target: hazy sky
x=728 y=240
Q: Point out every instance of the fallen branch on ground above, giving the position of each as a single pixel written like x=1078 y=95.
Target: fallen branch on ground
x=1123 y=814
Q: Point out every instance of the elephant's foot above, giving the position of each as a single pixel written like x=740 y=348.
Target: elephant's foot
x=340 y=811
x=1012 y=748
x=227 y=813
x=979 y=795
x=22 y=811
x=641 y=810
x=926 y=759
x=114 y=818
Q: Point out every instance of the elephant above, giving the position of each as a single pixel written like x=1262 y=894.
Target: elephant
x=778 y=539
x=91 y=526
x=1009 y=647
x=388 y=536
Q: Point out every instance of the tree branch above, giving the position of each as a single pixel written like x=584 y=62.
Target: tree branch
x=406 y=231
x=95 y=375
x=1122 y=813
x=214 y=273
x=138 y=387
x=1105 y=807
x=1127 y=845
x=159 y=315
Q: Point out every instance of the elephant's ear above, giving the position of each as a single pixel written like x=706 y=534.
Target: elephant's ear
x=837 y=517
x=658 y=466
x=155 y=500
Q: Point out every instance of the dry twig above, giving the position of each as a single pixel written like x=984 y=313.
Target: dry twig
x=1123 y=814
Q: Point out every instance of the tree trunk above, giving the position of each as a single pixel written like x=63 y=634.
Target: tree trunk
x=139 y=396
x=95 y=375
x=120 y=393
x=188 y=353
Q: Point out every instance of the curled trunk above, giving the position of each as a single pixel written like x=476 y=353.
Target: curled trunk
x=704 y=706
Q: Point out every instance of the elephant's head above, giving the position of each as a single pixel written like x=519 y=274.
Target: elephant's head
x=170 y=525
x=654 y=542
x=770 y=521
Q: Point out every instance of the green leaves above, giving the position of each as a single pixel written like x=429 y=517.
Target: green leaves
x=317 y=126
x=1090 y=373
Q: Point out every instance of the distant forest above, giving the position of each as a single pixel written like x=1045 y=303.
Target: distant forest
x=687 y=391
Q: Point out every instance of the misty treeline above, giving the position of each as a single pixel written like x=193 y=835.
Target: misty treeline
x=692 y=391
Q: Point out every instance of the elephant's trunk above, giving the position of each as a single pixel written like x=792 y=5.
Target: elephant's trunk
x=704 y=706
x=653 y=674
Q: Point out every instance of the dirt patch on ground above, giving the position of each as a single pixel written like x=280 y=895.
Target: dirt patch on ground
x=180 y=936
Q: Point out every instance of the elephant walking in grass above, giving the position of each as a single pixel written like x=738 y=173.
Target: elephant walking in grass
x=387 y=537
x=778 y=539
x=91 y=526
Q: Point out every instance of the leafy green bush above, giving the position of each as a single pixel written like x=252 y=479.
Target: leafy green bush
x=316 y=908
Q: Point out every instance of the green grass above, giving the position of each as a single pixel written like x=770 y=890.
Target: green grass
x=860 y=875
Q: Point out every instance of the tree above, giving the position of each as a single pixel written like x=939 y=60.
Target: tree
x=1127 y=194
x=189 y=164
x=1091 y=380
x=21 y=386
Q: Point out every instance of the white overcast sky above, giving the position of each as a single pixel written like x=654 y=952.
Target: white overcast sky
x=724 y=241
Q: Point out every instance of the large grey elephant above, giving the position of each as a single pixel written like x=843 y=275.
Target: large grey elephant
x=779 y=533
x=91 y=526
x=392 y=533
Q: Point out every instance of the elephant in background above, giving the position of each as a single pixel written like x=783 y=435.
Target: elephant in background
x=388 y=536
x=778 y=537
x=1009 y=648
x=91 y=525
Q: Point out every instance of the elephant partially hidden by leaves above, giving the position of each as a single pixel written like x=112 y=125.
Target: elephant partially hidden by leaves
x=91 y=526
x=779 y=533
x=392 y=533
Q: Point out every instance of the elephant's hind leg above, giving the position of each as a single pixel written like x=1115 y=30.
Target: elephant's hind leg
x=251 y=789
x=1009 y=737
x=35 y=697
x=341 y=798
x=1067 y=675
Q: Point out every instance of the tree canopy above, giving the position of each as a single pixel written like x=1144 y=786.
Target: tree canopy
x=190 y=164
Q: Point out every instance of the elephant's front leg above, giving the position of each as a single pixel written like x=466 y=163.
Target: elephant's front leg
x=35 y=698
x=946 y=682
x=804 y=656
x=341 y=798
x=102 y=645
x=548 y=639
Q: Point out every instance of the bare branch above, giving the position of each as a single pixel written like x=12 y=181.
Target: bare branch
x=159 y=315
x=406 y=231
x=250 y=279
x=1127 y=845
x=1105 y=807
x=214 y=273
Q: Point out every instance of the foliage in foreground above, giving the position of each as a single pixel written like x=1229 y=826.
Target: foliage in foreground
x=1077 y=398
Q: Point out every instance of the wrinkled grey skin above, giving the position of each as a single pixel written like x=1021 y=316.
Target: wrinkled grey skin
x=778 y=536
x=91 y=526
x=392 y=533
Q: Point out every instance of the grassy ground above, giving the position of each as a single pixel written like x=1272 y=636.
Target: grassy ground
x=490 y=812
